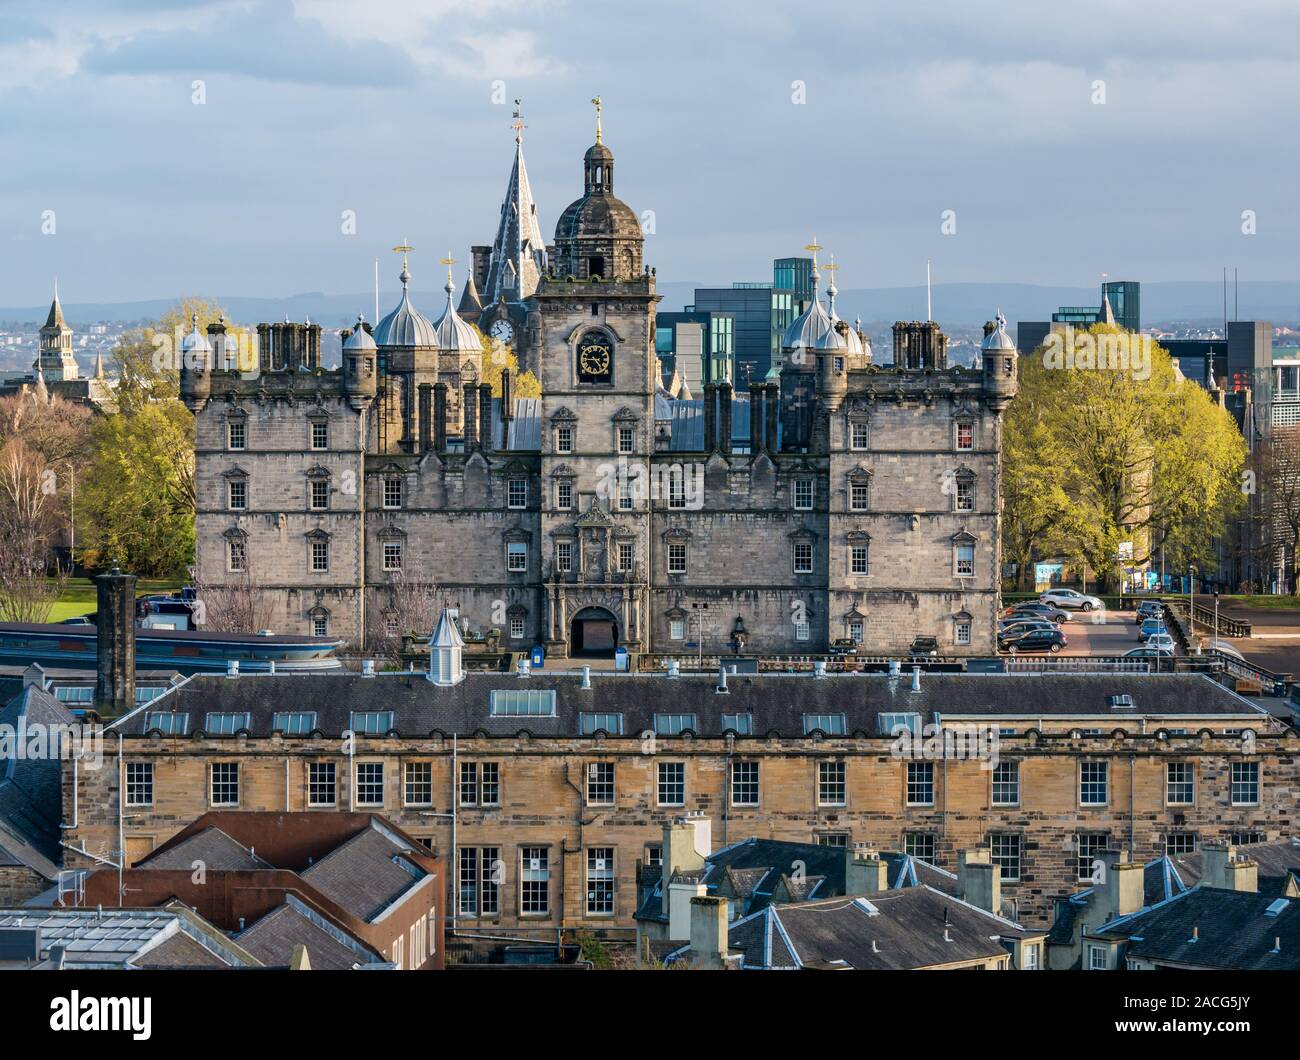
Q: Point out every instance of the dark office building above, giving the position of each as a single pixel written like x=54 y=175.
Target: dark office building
x=794 y=274
x=1124 y=297
x=762 y=313
x=700 y=346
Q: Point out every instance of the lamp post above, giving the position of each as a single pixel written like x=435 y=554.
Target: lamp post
x=1216 y=617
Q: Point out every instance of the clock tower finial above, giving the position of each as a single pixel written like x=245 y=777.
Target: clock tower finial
x=597 y=101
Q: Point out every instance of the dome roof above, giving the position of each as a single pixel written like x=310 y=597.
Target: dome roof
x=450 y=332
x=997 y=340
x=360 y=338
x=195 y=341
x=810 y=327
x=597 y=214
x=598 y=152
x=838 y=338
x=405 y=325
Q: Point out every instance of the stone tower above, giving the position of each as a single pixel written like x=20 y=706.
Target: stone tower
x=54 y=360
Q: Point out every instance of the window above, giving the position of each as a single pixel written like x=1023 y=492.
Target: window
x=964 y=499
x=856 y=631
x=744 y=783
x=392 y=493
x=803 y=557
x=1005 y=848
x=964 y=440
x=858 y=559
x=511 y=703
x=830 y=724
x=802 y=631
x=564 y=556
x=859 y=496
x=803 y=494
x=920 y=845
x=833 y=839
x=830 y=784
x=516 y=627
x=600 y=783
x=858 y=436
x=238 y=492
x=139 y=783
x=370 y=783
x=1096 y=958
x=480 y=784
x=672 y=784
x=371 y=722
x=225 y=784
x=1033 y=959
x=392 y=555
x=920 y=783
x=564 y=439
x=320 y=626
x=320 y=556
x=236 y=554
x=1245 y=783
x=1092 y=783
x=589 y=723
x=674 y=724
x=320 y=494
x=517 y=493
x=1088 y=848
x=677 y=629
x=167 y=722
x=1180 y=784
x=963 y=631
x=564 y=494
x=320 y=434
x=517 y=557
x=600 y=881
x=1241 y=839
x=235 y=435
x=625 y=496
x=740 y=724
x=676 y=487
x=534 y=881
x=676 y=558
x=963 y=557
x=417 y=786
x=1006 y=784
x=626 y=440
x=891 y=724
x=480 y=880
x=225 y=723
x=1180 y=844
x=322 y=786
x=654 y=854
x=626 y=555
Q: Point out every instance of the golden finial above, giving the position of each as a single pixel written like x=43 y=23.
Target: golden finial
x=404 y=248
x=831 y=268
x=449 y=261
x=596 y=101
x=518 y=124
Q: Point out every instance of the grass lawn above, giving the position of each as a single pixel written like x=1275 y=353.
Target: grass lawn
x=1274 y=603
x=79 y=595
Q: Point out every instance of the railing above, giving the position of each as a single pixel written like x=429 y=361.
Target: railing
x=1205 y=619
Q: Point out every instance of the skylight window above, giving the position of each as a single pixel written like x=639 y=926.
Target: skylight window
x=530 y=703
x=294 y=722
x=168 y=722
x=224 y=723
x=372 y=722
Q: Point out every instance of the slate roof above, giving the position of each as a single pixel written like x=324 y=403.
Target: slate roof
x=366 y=874
x=218 y=852
x=1162 y=879
x=31 y=794
x=907 y=927
x=777 y=702
x=273 y=938
x=123 y=938
x=1234 y=930
x=1277 y=862
x=687 y=419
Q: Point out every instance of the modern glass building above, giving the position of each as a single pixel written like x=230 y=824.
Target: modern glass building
x=1124 y=296
x=699 y=346
x=794 y=274
x=761 y=314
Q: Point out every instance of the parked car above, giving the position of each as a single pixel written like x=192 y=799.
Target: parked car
x=1149 y=609
x=1146 y=652
x=844 y=646
x=1014 y=627
x=1161 y=642
x=1052 y=640
x=923 y=646
x=1150 y=627
x=1072 y=600
x=1037 y=610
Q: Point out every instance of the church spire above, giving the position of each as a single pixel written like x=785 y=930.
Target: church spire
x=519 y=251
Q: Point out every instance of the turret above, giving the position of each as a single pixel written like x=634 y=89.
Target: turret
x=1001 y=381
x=360 y=377
x=195 y=367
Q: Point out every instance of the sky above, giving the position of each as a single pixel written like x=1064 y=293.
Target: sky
x=1008 y=142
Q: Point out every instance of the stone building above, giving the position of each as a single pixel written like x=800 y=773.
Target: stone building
x=55 y=372
x=835 y=500
x=548 y=792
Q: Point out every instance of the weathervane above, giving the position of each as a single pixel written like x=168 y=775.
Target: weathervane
x=449 y=261
x=404 y=249
x=518 y=124
x=596 y=101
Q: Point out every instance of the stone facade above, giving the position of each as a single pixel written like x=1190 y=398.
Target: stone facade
x=860 y=503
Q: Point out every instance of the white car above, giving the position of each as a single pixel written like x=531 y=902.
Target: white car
x=1225 y=646
x=1161 y=642
x=1071 y=600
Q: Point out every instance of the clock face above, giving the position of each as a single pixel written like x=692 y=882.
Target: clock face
x=502 y=331
x=595 y=358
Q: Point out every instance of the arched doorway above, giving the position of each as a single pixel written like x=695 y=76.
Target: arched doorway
x=593 y=633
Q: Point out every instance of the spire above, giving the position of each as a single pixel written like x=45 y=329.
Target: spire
x=470 y=303
x=812 y=248
x=449 y=261
x=1106 y=313
x=519 y=250
x=597 y=102
x=41 y=391
x=55 y=321
x=99 y=365
x=404 y=248
x=831 y=289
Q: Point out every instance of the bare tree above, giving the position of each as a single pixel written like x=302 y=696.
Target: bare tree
x=29 y=515
x=239 y=606
x=400 y=608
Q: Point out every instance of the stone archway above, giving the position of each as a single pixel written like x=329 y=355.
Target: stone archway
x=593 y=633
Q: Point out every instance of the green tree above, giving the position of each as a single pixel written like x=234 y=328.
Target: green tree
x=497 y=358
x=1100 y=456
x=148 y=357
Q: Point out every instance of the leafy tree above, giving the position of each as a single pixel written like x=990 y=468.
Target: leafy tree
x=497 y=358
x=1100 y=456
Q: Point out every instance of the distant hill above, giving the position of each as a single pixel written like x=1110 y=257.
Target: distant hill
x=955 y=304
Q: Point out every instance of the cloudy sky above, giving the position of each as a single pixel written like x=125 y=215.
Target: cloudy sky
x=745 y=126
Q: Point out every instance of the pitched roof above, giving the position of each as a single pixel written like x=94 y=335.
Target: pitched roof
x=217 y=850
x=31 y=792
x=366 y=874
x=273 y=938
x=1277 y=861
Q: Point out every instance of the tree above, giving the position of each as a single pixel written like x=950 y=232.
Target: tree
x=148 y=357
x=29 y=515
x=497 y=358
x=400 y=609
x=1141 y=458
x=239 y=606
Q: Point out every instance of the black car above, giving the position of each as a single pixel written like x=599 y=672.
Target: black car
x=1149 y=609
x=923 y=646
x=1052 y=640
x=1037 y=610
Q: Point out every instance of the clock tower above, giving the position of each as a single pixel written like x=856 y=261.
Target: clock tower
x=591 y=340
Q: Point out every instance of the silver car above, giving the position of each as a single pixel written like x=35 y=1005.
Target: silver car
x=1071 y=600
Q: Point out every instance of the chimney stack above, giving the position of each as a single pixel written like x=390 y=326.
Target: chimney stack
x=439 y=418
x=1223 y=867
x=724 y=418
x=865 y=871
x=710 y=418
x=115 y=642
x=980 y=881
x=470 y=416
x=1122 y=891
x=486 y=442
x=709 y=925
